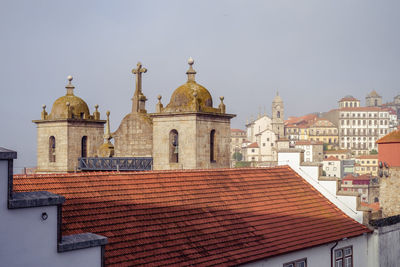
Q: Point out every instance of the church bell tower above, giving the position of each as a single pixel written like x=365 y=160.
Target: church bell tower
x=278 y=123
x=189 y=133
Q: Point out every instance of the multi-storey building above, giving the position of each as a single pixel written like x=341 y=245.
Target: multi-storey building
x=238 y=136
x=340 y=154
x=332 y=167
x=325 y=131
x=297 y=128
x=366 y=185
x=360 y=127
x=313 y=150
x=367 y=164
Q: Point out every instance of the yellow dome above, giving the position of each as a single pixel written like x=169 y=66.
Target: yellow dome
x=183 y=96
x=79 y=109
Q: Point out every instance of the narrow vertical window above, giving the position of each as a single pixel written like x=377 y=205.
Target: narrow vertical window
x=212 y=146
x=84 y=147
x=52 y=149
x=173 y=146
x=278 y=114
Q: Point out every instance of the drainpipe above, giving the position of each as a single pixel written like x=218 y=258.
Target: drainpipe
x=337 y=242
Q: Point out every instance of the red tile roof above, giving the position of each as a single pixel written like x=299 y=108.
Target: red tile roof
x=253 y=145
x=362 y=109
x=221 y=217
x=351 y=177
x=368 y=156
x=374 y=206
x=300 y=122
x=348 y=98
x=339 y=151
x=393 y=137
x=332 y=158
x=308 y=143
x=238 y=130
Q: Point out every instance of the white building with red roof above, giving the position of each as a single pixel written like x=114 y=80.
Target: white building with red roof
x=332 y=167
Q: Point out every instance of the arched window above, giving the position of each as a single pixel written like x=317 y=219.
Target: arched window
x=84 y=147
x=376 y=199
x=173 y=146
x=52 y=149
x=212 y=146
x=278 y=114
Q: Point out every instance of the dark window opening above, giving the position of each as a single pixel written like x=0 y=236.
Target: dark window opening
x=52 y=149
x=173 y=146
x=84 y=147
x=212 y=146
x=278 y=114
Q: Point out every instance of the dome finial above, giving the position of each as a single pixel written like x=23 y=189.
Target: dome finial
x=70 y=88
x=191 y=72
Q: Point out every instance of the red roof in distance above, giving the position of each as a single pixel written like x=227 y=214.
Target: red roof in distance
x=253 y=145
x=220 y=217
x=393 y=137
x=332 y=158
x=238 y=130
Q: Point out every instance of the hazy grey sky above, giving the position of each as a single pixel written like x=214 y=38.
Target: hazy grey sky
x=313 y=52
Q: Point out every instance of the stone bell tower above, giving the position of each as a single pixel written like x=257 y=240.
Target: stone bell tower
x=189 y=133
x=67 y=133
x=278 y=123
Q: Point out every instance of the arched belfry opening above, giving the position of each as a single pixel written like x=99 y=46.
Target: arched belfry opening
x=84 y=147
x=212 y=146
x=278 y=114
x=52 y=149
x=173 y=146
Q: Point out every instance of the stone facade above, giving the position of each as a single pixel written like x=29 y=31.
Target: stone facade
x=68 y=143
x=201 y=133
x=389 y=197
x=278 y=121
x=134 y=137
x=194 y=132
x=67 y=133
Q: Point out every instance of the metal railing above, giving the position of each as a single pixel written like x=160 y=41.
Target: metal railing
x=115 y=164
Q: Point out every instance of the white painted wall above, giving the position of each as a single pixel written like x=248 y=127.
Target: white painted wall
x=27 y=240
x=383 y=246
x=332 y=168
x=319 y=256
x=347 y=204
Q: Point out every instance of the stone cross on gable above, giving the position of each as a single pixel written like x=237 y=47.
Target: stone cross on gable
x=138 y=99
x=138 y=72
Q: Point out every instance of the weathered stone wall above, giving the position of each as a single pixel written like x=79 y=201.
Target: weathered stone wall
x=59 y=131
x=68 y=136
x=134 y=137
x=221 y=125
x=186 y=128
x=389 y=197
x=194 y=141
x=94 y=132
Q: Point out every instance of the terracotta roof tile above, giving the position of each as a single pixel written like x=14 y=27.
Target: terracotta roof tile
x=238 y=130
x=253 y=145
x=199 y=217
x=368 y=156
x=307 y=143
x=332 y=158
x=393 y=137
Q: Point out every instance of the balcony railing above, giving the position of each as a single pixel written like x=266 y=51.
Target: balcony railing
x=115 y=164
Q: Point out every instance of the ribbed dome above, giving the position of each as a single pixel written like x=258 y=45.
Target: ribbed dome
x=79 y=108
x=183 y=96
